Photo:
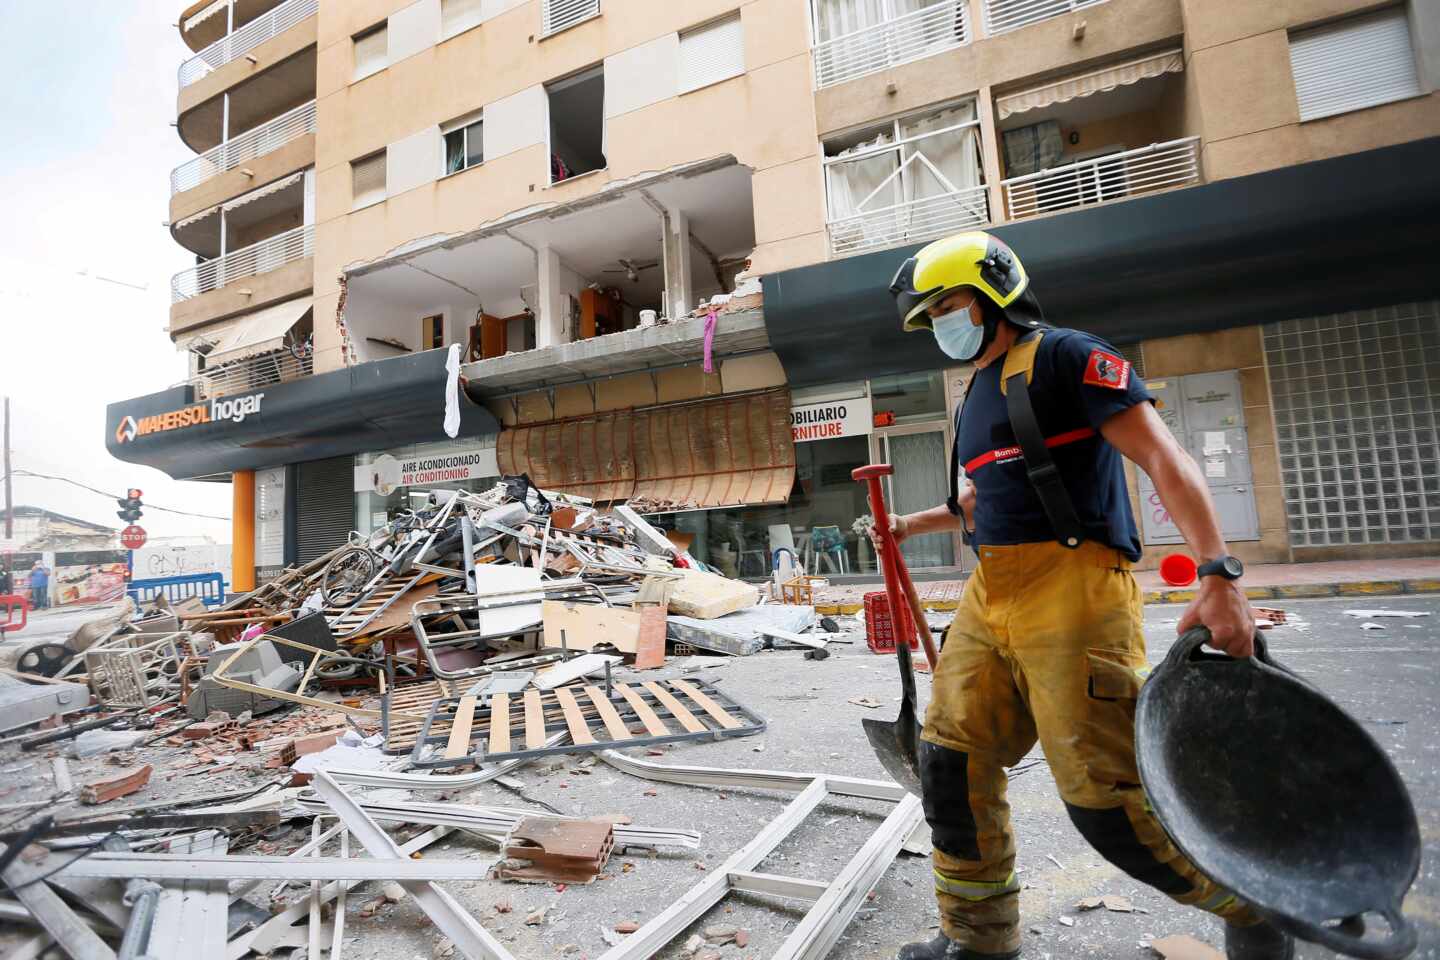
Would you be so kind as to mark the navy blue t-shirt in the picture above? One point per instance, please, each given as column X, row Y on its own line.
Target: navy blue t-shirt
column 1080, row 381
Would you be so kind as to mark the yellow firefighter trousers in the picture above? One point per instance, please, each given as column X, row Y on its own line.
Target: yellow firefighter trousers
column 1047, row 642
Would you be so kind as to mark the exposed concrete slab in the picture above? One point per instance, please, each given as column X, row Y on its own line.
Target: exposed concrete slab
column 630, row 351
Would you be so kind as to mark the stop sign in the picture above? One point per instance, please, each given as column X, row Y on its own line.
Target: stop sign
column 132, row 537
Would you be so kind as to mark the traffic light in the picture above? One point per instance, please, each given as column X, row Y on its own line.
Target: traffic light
column 130, row 506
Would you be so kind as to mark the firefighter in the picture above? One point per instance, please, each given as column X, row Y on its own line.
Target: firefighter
column 1047, row 643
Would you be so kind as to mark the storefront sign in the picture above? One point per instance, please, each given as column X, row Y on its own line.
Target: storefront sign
column 386, row 473
column 234, row 409
column 836, row 418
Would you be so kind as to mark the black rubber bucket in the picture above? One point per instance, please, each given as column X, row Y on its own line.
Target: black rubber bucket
column 1277, row 794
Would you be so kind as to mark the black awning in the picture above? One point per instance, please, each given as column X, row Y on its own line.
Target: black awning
column 370, row 406
column 1334, row 235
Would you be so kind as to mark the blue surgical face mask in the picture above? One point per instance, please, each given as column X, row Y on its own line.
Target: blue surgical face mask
column 959, row 338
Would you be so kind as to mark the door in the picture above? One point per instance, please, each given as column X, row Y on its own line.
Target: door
column 920, row 456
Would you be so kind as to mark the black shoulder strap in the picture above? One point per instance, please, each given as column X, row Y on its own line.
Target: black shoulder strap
column 953, row 502
column 1039, row 465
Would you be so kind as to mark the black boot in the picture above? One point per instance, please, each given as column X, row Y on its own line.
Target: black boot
column 943, row 948
column 1259, row 942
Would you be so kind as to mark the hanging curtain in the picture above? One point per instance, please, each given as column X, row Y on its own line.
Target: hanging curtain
column 944, row 164
column 848, row 185
column 1033, row 148
column 835, row 18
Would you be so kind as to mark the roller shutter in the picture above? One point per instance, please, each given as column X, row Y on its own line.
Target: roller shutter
column 324, row 505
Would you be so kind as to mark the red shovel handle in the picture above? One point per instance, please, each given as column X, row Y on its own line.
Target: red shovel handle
column 873, row 471
column 899, row 591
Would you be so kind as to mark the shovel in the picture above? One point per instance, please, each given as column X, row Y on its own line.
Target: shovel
column 897, row 744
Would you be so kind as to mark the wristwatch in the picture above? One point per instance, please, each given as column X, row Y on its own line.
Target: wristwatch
column 1225, row 566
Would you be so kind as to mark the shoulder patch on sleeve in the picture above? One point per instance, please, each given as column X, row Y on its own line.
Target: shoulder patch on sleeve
column 1107, row 370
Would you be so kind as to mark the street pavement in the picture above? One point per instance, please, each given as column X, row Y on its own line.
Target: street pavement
column 1389, row 679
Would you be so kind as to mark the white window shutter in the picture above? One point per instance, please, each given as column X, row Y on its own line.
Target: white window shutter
column 712, row 53
column 557, row 15
column 459, row 15
column 368, row 179
column 372, row 49
column 1356, row 63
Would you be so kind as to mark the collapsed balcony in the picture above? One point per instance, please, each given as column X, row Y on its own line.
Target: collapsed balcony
column 628, row 258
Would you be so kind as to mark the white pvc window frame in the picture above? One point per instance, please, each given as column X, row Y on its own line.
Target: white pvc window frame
column 471, row 129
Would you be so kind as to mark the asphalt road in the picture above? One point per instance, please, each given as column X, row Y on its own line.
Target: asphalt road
column 1389, row 679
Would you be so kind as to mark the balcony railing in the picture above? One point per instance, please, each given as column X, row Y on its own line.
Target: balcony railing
column 910, row 222
column 258, row 258
column 1003, row 15
column 557, row 15
column 251, row 373
column 923, row 33
column 247, row 38
column 266, row 138
column 1103, row 179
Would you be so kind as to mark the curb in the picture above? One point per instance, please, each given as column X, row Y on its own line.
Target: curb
column 1295, row 591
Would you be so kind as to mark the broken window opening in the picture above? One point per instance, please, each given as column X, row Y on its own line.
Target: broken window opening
column 577, row 124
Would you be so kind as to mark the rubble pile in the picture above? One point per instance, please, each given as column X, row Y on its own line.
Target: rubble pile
column 471, row 635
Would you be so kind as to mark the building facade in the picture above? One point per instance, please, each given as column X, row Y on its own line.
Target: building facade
column 638, row 249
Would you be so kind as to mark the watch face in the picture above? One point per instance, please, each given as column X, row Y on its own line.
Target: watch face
column 1234, row 569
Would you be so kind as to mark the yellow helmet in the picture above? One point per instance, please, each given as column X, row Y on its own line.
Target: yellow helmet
column 974, row 259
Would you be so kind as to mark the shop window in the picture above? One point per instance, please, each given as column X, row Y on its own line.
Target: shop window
column 577, row 124
column 464, row 143
column 432, row 332
column 372, row 50
column 908, row 397
column 367, row 180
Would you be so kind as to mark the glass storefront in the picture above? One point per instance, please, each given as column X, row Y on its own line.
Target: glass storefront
column 385, row 480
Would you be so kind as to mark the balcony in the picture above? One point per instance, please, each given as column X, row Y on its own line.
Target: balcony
column 252, row 373
column 258, row 258
column 1116, row 176
column 905, row 181
column 1002, row 16
column 557, row 15
column 264, row 139
column 914, row 36
column 235, row 45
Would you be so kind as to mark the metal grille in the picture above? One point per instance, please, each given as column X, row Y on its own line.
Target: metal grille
column 245, row 39
column 266, row 138
column 1003, row 15
column 1115, row 176
column 324, row 506
column 557, row 15
column 251, row 373
column 930, row 30
column 1356, row 398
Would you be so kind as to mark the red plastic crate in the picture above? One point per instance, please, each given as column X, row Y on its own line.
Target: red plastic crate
column 880, row 628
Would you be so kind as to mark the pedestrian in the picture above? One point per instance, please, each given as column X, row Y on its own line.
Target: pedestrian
column 7, row 585
column 39, row 586
column 1047, row 643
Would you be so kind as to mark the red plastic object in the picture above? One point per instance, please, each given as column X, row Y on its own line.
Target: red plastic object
column 9, row 603
column 1177, row 569
column 880, row 628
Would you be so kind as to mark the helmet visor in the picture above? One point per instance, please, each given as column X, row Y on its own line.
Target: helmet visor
column 909, row 302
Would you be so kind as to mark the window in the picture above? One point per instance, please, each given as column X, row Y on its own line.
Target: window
column 577, row 124
column 432, row 332
column 906, row 180
column 557, row 15
column 367, row 180
column 372, row 49
column 711, row 53
column 464, row 143
column 1356, row 63
column 457, row 16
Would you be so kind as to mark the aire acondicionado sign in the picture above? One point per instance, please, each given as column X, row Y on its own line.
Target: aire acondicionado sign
column 831, row 419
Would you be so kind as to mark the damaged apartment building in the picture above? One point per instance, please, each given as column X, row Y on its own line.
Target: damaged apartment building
column 639, row 250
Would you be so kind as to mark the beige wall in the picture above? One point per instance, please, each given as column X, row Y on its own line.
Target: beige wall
column 1239, row 349
column 1238, row 64
column 764, row 118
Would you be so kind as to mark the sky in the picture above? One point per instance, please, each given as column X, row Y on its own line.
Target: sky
column 87, row 103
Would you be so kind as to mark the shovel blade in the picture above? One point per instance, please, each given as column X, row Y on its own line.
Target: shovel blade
column 897, row 744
